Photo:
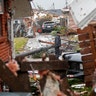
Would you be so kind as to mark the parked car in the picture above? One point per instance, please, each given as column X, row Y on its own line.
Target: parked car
column 48, row 26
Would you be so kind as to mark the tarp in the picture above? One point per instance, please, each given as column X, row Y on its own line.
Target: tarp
column 83, row 11
column 21, row 8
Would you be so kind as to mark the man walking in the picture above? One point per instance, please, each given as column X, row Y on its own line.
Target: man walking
column 57, row 45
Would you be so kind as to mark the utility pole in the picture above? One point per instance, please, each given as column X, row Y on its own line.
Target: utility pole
column 11, row 13
column 33, row 25
column 66, row 15
column 53, row 6
column 66, row 4
column 66, row 22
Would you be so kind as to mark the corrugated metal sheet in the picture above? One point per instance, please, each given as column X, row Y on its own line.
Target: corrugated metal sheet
column 83, row 11
column 22, row 8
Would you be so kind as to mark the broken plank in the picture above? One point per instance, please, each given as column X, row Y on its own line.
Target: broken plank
column 88, row 80
column 86, row 50
column 88, row 57
column 86, row 29
column 89, row 71
column 89, row 65
column 84, row 44
column 11, row 80
column 83, row 37
column 43, row 65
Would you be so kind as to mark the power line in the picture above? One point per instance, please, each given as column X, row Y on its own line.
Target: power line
column 66, row 4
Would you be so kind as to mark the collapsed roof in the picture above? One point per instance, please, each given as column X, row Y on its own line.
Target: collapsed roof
column 83, row 11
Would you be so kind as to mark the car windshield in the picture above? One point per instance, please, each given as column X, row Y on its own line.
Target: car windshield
column 49, row 22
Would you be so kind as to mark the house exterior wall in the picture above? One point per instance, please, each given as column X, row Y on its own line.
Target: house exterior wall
column 5, row 49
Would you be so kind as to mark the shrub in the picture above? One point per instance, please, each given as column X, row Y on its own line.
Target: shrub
column 60, row 29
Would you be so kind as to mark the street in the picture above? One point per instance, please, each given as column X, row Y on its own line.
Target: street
column 34, row 44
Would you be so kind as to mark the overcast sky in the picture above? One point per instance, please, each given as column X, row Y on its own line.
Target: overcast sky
column 48, row 4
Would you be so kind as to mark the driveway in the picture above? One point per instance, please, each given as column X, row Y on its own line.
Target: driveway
column 34, row 44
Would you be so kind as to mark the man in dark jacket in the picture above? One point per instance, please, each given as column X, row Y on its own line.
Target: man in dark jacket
column 57, row 45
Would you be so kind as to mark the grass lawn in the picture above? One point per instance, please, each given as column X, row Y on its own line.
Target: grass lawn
column 19, row 43
column 77, row 81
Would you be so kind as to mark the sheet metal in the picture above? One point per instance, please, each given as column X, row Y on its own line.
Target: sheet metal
column 83, row 11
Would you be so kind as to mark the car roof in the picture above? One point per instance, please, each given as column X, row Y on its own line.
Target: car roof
column 49, row 22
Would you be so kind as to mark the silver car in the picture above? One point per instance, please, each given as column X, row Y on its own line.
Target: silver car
column 48, row 26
